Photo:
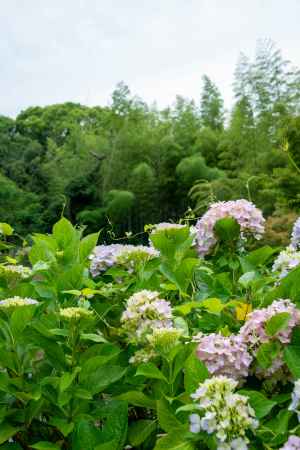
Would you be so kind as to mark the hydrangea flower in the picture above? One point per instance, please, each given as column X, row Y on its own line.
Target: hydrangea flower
column 253, row 332
column 224, row 355
column 163, row 226
column 223, row 412
column 293, row 443
column 17, row 271
column 144, row 313
column 245, row 213
column 286, row 261
column 294, row 406
column 163, row 340
column 106, row 256
column 75, row 313
column 17, row 302
column 295, row 238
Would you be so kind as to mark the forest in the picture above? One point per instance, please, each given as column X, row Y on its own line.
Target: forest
column 149, row 270
column 122, row 166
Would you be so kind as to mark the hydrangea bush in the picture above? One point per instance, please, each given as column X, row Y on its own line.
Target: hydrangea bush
column 191, row 342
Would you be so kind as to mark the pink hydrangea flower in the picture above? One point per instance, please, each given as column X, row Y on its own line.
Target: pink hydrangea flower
column 253, row 332
column 293, row 443
column 224, row 355
column 245, row 213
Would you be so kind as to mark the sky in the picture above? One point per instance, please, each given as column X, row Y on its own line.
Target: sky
column 52, row 51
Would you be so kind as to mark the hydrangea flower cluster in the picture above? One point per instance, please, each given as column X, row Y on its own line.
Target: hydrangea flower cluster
column 75, row 313
column 165, row 226
column 286, row 261
column 17, row 302
column 17, row 271
column 106, row 256
column 144, row 313
column 223, row 412
column 295, row 405
column 245, row 213
column 132, row 255
column 163, row 340
column 103, row 257
column 293, row 443
column 295, row 238
column 253, row 332
column 224, row 355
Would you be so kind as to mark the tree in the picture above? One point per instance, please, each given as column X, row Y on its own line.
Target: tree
column 211, row 105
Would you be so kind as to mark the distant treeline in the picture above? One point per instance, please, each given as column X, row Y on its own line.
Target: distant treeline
column 125, row 165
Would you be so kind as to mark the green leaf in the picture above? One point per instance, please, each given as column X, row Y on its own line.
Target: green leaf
column 266, row 353
column 20, row 318
column 87, row 245
column 114, row 415
column 62, row 425
column 101, row 378
column 246, row 279
column 173, row 442
column 85, row 436
column 149, row 370
column 277, row 323
column 186, row 308
column 67, row 379
column 195, row 372
column 137, row 398
column 167, row 420
column 7, row 431
column 227, row 229
column 92, row 337
column 45, row 445
column 64, row 232
column 292, row 359
column 261, row 404
column 6, row 229
column 139, row 431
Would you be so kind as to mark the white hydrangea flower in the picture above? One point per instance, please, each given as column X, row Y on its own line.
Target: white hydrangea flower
column 223, row 412
column 145, row 312
column 295, row 404
column 75, row 313
column 17, row 302
column 16, row 270
column 106, row 256
column 286, row 261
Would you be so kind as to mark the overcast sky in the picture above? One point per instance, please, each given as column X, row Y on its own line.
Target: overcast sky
column 53, row 51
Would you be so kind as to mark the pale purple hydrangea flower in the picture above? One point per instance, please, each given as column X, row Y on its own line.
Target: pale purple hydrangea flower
column 245, row 213
column 106, row 256
column 293, row 443
column 224, row 355
column 295, row 239
column 145, row 312
column 253, row 332
column 286, row 261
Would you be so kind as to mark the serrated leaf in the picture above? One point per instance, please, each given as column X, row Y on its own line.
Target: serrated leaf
column 261, row 404
column 139, row 431
column 149, row 370
column 277, row 323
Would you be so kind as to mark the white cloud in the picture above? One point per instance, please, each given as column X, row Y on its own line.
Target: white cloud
column 77, row 50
